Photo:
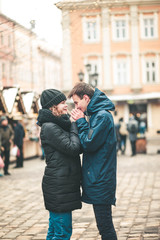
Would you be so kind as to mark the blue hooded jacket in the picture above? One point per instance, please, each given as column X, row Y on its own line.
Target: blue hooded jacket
column 98, row 139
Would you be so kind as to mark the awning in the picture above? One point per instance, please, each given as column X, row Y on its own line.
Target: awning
column 13, row 100
column 9, row 95
column 3, row 107
column 30, row 100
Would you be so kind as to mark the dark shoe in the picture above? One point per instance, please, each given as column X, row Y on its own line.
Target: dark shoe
column 7, row 173
column 18, row 167
column 133, row 155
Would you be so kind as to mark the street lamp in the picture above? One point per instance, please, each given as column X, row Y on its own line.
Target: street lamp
column 88, row 67
column 81, row 76
column 93, row 78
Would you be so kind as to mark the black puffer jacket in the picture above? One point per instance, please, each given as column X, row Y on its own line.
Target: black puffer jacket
column 61, row 180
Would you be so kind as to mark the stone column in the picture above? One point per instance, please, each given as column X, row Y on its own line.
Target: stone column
column 106, row 50
column 149, row 115
column 66, row 56
column 135, row 49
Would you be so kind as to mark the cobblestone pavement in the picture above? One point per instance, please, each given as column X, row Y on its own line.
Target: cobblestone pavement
column 136, row 216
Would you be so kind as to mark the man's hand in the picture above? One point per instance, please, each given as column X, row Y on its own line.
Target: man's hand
column 76, row 114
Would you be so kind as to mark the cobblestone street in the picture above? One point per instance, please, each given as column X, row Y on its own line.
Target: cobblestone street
column 136, row 215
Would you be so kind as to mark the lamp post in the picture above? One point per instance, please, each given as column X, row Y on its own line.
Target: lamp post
column 93, row 78
column 81, row 76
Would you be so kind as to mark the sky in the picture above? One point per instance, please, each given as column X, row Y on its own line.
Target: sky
column 44, row 12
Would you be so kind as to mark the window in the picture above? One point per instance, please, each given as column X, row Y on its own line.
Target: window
column 91, row 29
column 9, row 41
column 10, row 71
column 3, row 70
column 120, row 28
column 150, row 71
column 121, row 71
column 2, row 39
column 149, row 26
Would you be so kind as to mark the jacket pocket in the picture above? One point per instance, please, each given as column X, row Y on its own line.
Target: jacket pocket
column 92, row 177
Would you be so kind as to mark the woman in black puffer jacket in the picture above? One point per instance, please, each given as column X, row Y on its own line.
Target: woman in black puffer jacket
column 61, row 180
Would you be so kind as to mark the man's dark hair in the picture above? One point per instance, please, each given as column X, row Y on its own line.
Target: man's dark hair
column 80, row 89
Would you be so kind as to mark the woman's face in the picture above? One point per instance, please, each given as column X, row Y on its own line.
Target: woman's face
column 60, row 109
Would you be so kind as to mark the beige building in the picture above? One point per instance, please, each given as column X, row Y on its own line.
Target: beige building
column 115, row 45
column 25, row 60
column 7, row 54
column 36, row 65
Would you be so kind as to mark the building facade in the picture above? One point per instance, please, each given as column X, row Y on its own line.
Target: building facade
column 120, row 42
column 25, row 60
column 7, row 53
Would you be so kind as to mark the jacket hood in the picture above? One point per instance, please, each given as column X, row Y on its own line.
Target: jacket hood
column 99, row 101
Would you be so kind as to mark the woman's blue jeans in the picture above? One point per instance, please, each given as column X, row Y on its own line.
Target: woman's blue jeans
column 60, row 226
column 103, row 215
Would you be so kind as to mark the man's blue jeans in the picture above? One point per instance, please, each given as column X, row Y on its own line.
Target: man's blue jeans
column 103, row 215
column 60, row 226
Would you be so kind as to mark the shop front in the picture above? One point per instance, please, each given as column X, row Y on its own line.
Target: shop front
column 22, row 106
column 146, row 109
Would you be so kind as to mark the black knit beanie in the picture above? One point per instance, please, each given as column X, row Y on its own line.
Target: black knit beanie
column 50, row 97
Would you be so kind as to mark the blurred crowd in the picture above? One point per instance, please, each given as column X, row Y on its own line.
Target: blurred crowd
column 135, row 129
column 10, row 136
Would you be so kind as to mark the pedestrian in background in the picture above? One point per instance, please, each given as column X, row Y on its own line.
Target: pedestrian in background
column 142, row 127
column 98, row 139
column 19, row 135
column 132, row 128
column 123, row 135
column 61, row 180
column 118, row 145
column 6, row 137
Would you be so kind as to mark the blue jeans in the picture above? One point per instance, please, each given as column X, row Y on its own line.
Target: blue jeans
column 103, row 215
column 60, row 226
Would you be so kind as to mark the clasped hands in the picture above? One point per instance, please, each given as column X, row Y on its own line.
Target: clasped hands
column 76, row 114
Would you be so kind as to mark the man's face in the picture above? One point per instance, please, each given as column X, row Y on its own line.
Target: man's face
column 81, row 104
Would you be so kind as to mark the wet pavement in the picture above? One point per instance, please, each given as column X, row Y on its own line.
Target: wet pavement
column 136, row 215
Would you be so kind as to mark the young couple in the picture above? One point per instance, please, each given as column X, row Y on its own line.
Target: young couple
column 89, row 130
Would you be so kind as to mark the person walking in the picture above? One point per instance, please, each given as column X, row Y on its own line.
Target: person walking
column 118, row 145
column 123, row 135
column 132, row 128
column 19, row 134
column 6, row 137
column 98, row 139
column 62, row 176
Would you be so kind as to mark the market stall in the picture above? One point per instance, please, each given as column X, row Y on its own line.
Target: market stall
column 31, row 142
column 22, row 106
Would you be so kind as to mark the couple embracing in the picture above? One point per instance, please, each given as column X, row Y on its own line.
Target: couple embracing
column 88, row 130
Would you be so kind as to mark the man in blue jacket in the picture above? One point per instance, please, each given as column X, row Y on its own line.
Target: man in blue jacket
column 98, row 139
